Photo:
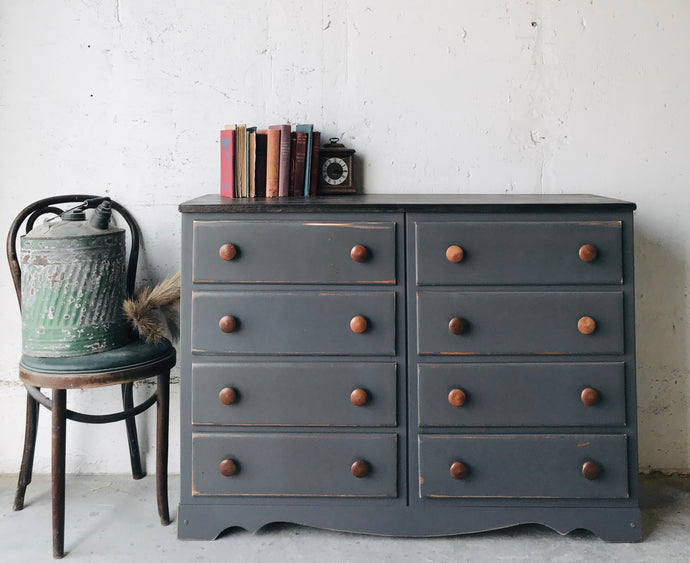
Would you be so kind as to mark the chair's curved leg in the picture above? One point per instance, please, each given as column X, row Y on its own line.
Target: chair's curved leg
column 32, row 408
column 162, row 422
column 59, row 423
column 132, row 438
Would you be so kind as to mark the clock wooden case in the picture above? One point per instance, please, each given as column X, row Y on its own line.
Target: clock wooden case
column 336, row 165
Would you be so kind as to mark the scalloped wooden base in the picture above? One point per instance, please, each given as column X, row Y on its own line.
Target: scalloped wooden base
column 207, row 522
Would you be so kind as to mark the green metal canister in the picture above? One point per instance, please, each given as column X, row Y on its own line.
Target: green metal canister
column 73, row 285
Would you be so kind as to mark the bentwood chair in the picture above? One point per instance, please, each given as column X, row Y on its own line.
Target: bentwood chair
column 134, row 361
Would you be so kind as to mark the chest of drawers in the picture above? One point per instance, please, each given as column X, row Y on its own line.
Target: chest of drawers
column 408, row 365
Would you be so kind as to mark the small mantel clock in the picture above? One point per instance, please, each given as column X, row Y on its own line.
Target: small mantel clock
column 336, row 168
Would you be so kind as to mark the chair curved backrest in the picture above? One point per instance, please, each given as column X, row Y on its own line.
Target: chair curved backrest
column 32, row 212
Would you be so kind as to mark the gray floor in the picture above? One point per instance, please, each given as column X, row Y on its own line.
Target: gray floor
column 113, row 518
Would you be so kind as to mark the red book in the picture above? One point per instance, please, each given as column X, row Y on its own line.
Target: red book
column 315, row 149
column 227, row 162
column 284, row 171
column 300, row 161
column 272, row 162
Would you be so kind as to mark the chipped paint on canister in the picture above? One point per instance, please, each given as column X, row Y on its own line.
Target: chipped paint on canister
column 73, row 287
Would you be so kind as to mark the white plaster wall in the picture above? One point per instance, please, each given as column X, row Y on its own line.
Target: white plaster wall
column 535, row 96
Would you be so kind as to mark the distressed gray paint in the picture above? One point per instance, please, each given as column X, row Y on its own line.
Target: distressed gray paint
column 295, row 465
column 608, row 508
column 293, row 323
column 503, row 323
column 294, row 394
column 275, row 252
column 520, row 466
column 522, row 394
column 518, row 252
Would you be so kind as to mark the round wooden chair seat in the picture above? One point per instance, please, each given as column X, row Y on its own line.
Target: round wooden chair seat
column 133, row 361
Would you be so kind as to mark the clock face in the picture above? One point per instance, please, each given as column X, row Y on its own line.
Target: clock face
column 334, row 171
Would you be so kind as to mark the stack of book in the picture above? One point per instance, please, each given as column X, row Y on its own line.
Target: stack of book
column 271, row 162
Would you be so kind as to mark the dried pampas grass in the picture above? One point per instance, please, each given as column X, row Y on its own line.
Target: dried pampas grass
column 145, row 309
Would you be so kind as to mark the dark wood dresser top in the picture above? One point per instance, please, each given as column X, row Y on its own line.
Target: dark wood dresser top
column 213, row 203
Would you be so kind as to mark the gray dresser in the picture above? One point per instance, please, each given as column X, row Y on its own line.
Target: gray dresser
column 412, row 365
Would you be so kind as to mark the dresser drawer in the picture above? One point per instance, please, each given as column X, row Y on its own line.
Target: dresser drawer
column 294, row 252
column 524, row 466
column 294, row 394
column 519, row 322
column 522, row 394
column 539, row 252
column 295, row 465
column 293, row 323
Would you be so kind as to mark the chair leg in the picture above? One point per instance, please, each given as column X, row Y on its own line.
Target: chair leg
column 132, row 439
column 162, row 423
column 59, row 423
column 32, row 408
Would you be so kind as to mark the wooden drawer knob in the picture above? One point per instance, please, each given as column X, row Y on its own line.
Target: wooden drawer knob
column 227, row 395
column 455, row 254
column 458, row 470
column 586, row 325
column 227, row 324
column 227, row 467
column 360, row 468
column 588, row 253
column 359, row 397
column 457, row 397
column 591, row 470
column 227, row 251
column 589, row 396
column 358, row 324
column 359, row 253
column 457, row 325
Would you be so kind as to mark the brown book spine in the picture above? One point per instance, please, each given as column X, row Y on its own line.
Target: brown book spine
column 272, row 162
column 285, row 155
column 240, row 160
column 300, row 161
column 314, row 172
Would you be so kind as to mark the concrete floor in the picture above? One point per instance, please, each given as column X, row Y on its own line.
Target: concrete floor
column 113, row 518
